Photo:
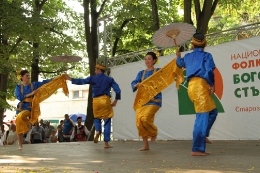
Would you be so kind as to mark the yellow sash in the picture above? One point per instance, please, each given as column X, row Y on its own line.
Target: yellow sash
column 44, row 92
column 102, row 108
column 198, row 91
column 157, row 82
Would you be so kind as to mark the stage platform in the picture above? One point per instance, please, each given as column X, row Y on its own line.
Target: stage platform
column 163, row 157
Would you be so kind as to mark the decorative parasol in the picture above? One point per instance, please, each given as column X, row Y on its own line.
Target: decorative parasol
column 173, row 35
column 65, row 59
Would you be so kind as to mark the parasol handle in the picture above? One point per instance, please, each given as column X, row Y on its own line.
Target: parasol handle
column 176, row 46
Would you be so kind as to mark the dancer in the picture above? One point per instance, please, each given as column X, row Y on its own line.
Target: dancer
column 102, row 107
column 145, row 114
column 30, row 95
column 200, row 77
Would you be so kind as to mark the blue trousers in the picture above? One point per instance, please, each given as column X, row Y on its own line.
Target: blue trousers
column 107, row 128
column 202, row 126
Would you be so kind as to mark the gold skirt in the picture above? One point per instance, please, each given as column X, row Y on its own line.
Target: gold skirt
column 102, row 108
column 144, row 120
column 22, row 121
column 198, row 91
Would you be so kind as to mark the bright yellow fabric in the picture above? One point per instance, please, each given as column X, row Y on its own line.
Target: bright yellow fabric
column 44, row 92
column 156, row 83
column 144, row 120
column 198, row 91
column 22, row 121
column 102, row 108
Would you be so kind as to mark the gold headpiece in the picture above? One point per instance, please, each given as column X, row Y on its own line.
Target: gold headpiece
column 200, row 41
column 18, row 74
column 101, row 67
column 157, row 53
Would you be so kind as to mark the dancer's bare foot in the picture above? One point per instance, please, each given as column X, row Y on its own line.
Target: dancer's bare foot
column 153, row 138
column 20, row 148
column 197, row 153
column 144, row 149
column 96, row 138
column 108, row 146
column 208, row 141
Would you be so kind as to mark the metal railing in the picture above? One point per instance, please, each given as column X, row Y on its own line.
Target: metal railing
column 238, row 33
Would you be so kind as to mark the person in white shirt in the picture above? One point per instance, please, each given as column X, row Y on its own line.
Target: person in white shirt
column 10, row 136
column 27, row 136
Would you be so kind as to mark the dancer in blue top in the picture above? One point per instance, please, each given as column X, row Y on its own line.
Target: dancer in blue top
column 200, row 77
column 145, row 114
column 102, row 106
column 24, row 92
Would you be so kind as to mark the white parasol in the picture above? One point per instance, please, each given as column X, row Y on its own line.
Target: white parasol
column 173, row 35
column 65, row 59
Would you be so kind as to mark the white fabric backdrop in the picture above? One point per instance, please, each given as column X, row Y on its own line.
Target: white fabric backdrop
column 172, row 126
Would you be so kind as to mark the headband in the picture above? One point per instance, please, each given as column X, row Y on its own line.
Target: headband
column 101, row 67
column 198, row 42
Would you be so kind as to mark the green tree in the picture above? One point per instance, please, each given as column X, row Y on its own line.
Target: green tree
column 31, row 32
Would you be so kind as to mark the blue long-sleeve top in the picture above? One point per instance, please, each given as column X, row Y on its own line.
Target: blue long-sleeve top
column 198, row 64
column 101, row 85
column 20, row 95
column 138, row 79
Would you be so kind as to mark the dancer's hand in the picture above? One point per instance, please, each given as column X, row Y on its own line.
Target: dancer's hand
column 114, row 103
column 178, row 54
column 137, row 85
column 212, row 90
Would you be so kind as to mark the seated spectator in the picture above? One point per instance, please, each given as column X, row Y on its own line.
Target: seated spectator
column 59, row 128
column 10, row 136
column 80, row 132
column 48, row 130
column 27, row 136
column 2, row 132
column 53, row 137
column 38, row 134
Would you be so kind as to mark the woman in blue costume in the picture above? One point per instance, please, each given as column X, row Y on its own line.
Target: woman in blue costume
column 200, row 77
column 24, row 93
column 102, row 106
column 145, row 114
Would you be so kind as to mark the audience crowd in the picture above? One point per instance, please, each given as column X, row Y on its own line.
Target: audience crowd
column 43, row 132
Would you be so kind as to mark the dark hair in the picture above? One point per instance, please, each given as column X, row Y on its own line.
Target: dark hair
column 23, row 72
column 79, row 118
column 153, row 55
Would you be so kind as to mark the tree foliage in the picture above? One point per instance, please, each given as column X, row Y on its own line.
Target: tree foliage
column 32, row 32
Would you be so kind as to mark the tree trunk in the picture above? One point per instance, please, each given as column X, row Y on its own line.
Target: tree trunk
column 203, row 16
column 187, row 11
column 35, row 63
column 92, row 49
column 156, row 24
column 3, row 89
